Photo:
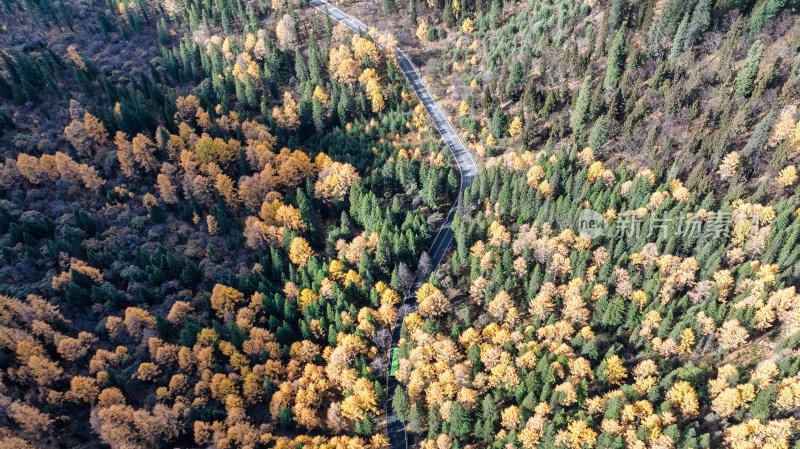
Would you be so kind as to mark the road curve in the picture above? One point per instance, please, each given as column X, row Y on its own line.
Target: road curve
column 396, row 430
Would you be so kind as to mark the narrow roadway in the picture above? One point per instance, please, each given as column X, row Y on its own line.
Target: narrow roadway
column 396, row 430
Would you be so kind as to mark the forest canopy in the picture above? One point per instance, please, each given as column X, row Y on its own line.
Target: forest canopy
column 213, row 214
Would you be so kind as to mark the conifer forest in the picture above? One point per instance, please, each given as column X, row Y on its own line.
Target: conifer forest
column 395, row 224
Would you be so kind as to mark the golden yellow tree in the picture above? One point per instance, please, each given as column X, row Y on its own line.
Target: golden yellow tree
column 463, row 108
column 72, row 349
column 687, row 341
column 30, row 419
column 288, row 117
column 292, row 167
column 422, row 30
column 510, row 417
column 286, row 31
column 124, row 154
column 515, row 128
column 227, row 189
column 334, row 182
column 364, row 47
column 787, row 176
column 144, row 152
column 683, row 395
column 578, row 435
column 732, row 334
column 84, row 389
column 467, row 26
column 320, row 95
column 165, row 185
column 342, row 65
column 615, row 371
column 224, row 299
column 362, row 401
column 178, row 311
column 595, row 171
column 729, row 165
column 300, row 251
column 432, row 302
column 369, row 78
column 88, row 136
column 148, row 371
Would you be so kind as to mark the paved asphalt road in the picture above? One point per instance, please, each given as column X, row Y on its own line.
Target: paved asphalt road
column 395, row 429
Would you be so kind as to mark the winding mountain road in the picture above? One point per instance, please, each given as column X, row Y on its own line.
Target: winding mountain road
column 396, row 430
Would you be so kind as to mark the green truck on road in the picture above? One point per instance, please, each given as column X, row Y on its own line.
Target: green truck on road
column 395, row 362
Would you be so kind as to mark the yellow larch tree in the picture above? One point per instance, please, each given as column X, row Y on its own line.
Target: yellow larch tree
column 463, row 108
column 498, row 234
column 72, row 349
column 144, row 152
column 595, row 171
column 362, row 401
column 292, row 167
column 320, row 95
column 369, row 78
column 307, row 296
column 364, row 47
column 342, row 65
column 165, row 184
column 288, row 117
column 545, row 189
column 515, row 128
column 124, row 154
column 148, row 371
column 432, row 302
column 787, row 176
column 227, row 189
column 422, row 30
column 687, row 341
column 286, row 31
column 88, row 136
column 684, row 396
column 334, row 182
column 51, row 168
column 467, row 26
column 615, row 371
column 727, row 402
column 729, row 165
column 84, row 389
column 300, row 251
column 578, row 435
column 510, row 417
column 224, row 299
column 732, row 334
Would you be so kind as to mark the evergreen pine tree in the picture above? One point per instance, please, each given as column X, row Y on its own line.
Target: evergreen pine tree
column 415, row 423
column 494, row 14
column 599, row 133
column 701, row 18
column 616, row 60
column 514, row 81
column 760, row 136
column 743, row 84
column 401, row 404
column 318, row 115
column 678, row 42
column 580, row 114
column 434, row 422
column 459, row 420
column 490, row 419
column 499, row 123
